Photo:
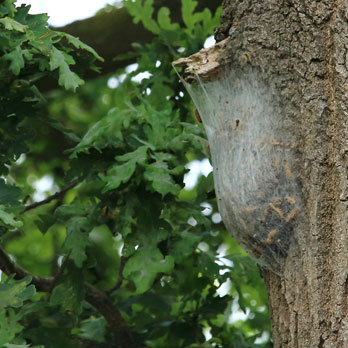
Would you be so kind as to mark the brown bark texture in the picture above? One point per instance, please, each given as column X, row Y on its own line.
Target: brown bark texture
column 300, row 48
column 299, row 51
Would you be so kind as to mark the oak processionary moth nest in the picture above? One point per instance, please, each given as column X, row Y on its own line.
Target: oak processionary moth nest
column 253, row 151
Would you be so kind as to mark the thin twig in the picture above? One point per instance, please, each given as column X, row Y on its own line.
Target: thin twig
column 26, row 198
column 49, row 199
column 123, row 262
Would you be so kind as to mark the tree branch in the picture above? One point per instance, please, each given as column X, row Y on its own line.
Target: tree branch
column 95, row 297
column 123, row 262
column 49, row 199
column 9, row 267
column 101, row 301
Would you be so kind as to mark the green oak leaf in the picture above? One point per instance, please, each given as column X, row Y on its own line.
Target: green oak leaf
column 9, row 218
column 66, row 211
column 143, row 267
column 69, row 293
column 61, row 60
column 137, row 156
column 7, row 7
column 11, row 24
column 9, row 326
column 209, row 266
column 142, row 11
column 16, row 59
column 127, row 220
column 45, row 222
column 93, row 329
column 9, row 194
column 77, row 240
column 52, row 337
column 164, row 21
column 185, row 246
column 30, row 308
column 67, row 132
column 188, row 16
column 75, row 41
column 161, row 181
column 14, row 293
column 158, row 129
column 121, row 173
column 106, row 131
column 37, row 24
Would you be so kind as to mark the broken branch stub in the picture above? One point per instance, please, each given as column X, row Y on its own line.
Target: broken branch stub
column 202, row 65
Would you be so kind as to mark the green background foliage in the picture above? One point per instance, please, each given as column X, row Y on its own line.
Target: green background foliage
column 123, row 221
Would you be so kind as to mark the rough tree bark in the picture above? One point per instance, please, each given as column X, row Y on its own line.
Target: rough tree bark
column 299, row 49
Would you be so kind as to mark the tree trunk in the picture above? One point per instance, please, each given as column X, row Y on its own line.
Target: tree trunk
column 286, row 60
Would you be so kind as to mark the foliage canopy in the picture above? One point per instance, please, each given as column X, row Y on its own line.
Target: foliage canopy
column 116, row 251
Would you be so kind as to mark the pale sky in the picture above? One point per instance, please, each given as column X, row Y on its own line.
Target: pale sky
column 65, row 11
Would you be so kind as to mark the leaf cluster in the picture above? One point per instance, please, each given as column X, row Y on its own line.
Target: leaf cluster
column 121, row 220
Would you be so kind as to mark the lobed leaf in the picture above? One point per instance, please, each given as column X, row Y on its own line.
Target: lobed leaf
column 144, row 266
column 8, row 194
column 61, row 60
column 11, row 24
column 69, row 293
column 9, row 218
column 77, row 43
column 77, row 240
column 14, row 293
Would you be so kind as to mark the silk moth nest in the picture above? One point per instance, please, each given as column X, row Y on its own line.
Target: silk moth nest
column 254, row 155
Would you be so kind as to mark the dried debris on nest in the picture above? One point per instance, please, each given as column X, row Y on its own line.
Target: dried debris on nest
column 202, row 65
